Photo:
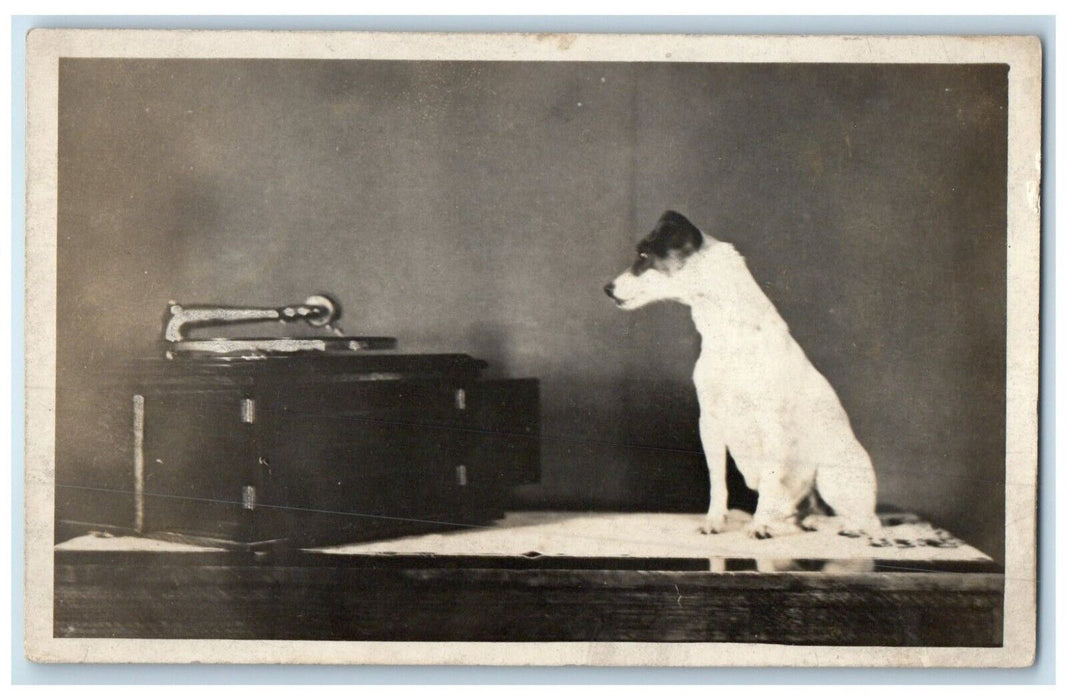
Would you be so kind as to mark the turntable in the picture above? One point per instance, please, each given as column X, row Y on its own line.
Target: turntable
column 307, row 440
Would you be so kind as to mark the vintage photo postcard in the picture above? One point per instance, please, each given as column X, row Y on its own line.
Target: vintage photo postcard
column 532, row 349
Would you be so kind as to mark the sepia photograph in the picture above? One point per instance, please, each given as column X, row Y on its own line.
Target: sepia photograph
column 532, row 349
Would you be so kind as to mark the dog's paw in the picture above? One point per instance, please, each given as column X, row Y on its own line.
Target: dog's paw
column 759, row 532
column 713, row 525
column 854, row 529
column 857, row 533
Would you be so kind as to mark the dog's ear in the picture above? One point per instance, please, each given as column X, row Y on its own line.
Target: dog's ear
column 677, row 232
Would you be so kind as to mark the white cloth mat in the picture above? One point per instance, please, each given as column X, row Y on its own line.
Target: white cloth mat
column 621, row 535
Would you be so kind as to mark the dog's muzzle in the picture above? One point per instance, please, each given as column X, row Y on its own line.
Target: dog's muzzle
column 609, row 289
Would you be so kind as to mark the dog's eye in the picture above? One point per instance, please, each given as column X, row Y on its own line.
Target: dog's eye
column 643, row 262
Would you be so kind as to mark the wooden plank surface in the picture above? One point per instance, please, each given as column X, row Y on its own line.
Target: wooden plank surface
column 302, row 595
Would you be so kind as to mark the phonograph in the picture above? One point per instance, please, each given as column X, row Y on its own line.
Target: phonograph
column 318, row 311
column 317, row 439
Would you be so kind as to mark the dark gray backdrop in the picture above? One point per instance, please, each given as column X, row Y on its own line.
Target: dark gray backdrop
column 479, row 207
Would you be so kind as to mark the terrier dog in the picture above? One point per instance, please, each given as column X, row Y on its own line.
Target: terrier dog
column 760, row 396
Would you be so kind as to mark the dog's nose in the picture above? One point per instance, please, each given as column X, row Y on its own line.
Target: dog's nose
column 609, row 289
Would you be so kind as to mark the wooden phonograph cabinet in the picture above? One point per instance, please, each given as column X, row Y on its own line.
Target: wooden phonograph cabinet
column 307, row 441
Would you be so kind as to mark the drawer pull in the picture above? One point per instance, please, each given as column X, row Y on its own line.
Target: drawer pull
column 248, row 498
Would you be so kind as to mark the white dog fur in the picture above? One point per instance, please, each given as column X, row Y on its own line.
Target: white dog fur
column 760, row 396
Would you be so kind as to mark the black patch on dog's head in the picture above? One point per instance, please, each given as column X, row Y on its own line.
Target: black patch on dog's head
column 673, row 236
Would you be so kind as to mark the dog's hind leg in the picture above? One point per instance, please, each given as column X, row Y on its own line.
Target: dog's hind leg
column 847, row 484
column 776, row 511
column 714, row 443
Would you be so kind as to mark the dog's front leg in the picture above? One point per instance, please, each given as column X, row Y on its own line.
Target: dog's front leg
column 715, row 454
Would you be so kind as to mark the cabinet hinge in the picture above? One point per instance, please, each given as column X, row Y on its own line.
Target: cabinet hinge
column 248, row 411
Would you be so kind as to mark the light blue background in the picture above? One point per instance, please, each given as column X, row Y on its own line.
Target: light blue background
column 24, row 672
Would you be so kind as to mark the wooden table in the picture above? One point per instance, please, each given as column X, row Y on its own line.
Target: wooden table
column 545, row 577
